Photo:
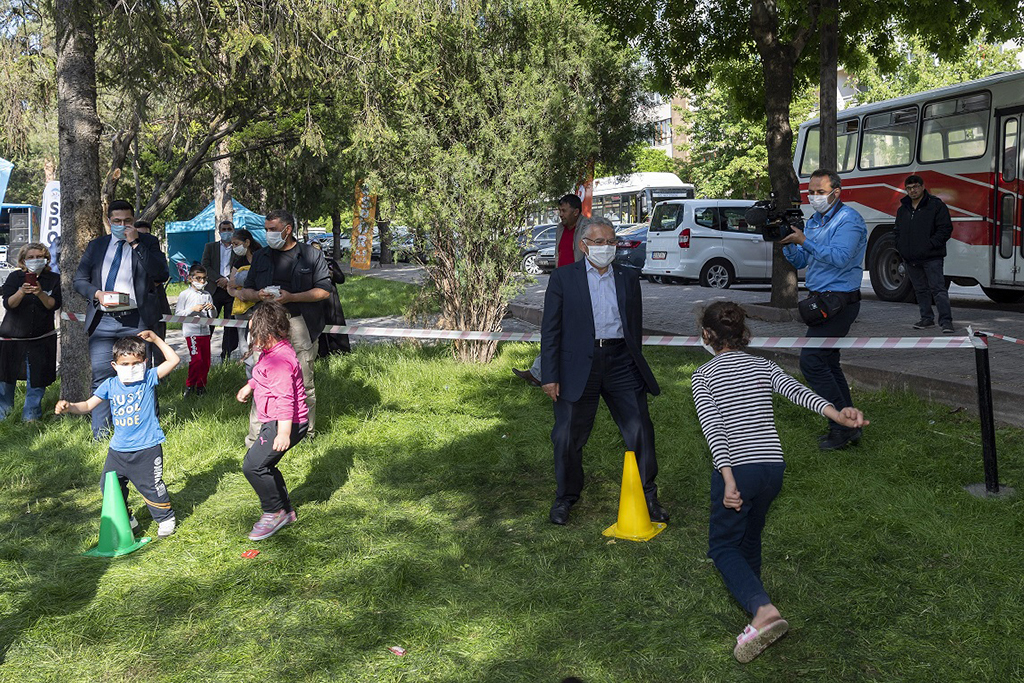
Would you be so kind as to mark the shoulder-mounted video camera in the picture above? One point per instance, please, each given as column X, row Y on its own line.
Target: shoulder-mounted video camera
column 775, row 224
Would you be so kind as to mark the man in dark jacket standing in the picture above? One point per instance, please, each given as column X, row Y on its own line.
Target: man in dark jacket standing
column 923, row 227
column 590, row 345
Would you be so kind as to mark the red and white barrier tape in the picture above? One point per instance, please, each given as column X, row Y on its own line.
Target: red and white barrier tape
column 967, row 342
column 1004, row 337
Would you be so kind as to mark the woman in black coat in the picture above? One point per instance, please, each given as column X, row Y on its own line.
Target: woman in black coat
column 28, row 351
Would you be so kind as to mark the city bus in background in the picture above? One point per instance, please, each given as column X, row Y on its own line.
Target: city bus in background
column 626, row 199
column 965, row 142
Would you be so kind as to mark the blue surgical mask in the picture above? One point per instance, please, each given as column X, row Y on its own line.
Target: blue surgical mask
column 117, row 231
column 225, row 236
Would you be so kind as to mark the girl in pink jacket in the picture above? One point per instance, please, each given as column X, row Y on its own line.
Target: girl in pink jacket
column 280, row 398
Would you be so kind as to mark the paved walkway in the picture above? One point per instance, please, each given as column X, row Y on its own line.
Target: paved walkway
column 946, row 376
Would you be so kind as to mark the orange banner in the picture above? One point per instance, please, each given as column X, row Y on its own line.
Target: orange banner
column 585, row 189
column 363, row 219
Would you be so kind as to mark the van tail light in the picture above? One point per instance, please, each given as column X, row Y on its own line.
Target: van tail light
column 628, row 244
column 684, row 239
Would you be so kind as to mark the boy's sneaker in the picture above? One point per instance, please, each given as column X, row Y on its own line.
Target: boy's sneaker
column 924, row 324
column 132, row 522
column 292, row 517
column 269, row 524
column 165, row 528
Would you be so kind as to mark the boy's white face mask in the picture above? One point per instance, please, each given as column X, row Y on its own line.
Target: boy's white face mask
column 131, row 373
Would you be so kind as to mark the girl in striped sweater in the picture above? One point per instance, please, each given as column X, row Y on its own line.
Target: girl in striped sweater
column 733, row 395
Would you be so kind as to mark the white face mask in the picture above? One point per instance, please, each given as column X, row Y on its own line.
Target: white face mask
column 198, row 286
column 225, row 236
column 239, row 249
column 274, row 240
column 601, row 257
column 131, row 373
column 819, row 202
column 35, row 265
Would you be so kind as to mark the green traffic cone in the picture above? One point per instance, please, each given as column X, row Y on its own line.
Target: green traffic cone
column 116, row 537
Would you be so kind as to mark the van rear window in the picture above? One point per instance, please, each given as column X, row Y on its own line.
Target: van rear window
column 666, row 217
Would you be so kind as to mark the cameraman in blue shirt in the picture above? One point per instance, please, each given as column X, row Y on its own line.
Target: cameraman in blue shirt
column 831, row 247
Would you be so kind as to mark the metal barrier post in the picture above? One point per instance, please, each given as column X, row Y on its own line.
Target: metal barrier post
column 988, row 426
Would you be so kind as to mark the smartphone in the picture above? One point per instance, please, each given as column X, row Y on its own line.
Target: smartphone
column 31, row 279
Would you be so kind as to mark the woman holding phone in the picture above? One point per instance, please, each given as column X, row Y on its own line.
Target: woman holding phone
column 28, row 338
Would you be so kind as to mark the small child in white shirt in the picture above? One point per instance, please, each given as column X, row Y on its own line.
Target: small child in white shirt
column 192, row 302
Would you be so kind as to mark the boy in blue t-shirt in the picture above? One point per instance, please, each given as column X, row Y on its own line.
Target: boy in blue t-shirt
column 135, row 452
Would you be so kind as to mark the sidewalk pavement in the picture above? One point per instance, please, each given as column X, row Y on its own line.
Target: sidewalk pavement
column 945, row 376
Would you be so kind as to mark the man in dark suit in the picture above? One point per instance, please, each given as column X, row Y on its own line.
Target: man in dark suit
column 217, row 258
column 591, row 347
column 124, row 262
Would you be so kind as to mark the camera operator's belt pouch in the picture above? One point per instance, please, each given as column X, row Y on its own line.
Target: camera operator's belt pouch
column 819, row 307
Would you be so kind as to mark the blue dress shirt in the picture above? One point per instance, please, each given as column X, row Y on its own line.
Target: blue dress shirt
column 833, row 252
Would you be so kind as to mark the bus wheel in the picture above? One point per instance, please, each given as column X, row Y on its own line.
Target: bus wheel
column 1003, row 296
column 889, row 276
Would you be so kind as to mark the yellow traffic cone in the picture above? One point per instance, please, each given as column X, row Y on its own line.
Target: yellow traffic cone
column 116, row 537
column 634, row 520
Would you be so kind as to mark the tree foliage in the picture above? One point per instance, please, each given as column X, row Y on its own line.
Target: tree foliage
column 688, row 40
column 499, row 104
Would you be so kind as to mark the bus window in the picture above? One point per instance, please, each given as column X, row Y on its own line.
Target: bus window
column 955, row 128
column 1006, row 227
column 812, row 145
column 846, row 148
column 889, row 138
column 1010, row 131
column 666, row 217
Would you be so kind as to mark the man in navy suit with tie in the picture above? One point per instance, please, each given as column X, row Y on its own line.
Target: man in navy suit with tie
column 126, row 262
column 591, row 347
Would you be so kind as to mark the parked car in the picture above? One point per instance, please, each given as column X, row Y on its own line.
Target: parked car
column 408, row 248
column 326, row 241
column 631, row 248
column 708, row 241
column 546, row 259
column 531, row 241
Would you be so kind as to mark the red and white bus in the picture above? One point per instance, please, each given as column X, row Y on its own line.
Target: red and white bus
column 965, row 141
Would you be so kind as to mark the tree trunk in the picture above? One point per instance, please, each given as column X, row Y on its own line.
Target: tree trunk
column 778, row 60
column 778, row 94
column 336, row 231
column 223, row 209
column 827, row 95
column 78, row 129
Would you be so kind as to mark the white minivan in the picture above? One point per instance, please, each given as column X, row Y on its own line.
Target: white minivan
column 707, row 240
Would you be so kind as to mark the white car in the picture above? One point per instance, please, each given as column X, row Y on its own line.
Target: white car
column 708, row 241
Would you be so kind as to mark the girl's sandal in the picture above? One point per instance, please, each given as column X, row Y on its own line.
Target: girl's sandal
column 753, row 642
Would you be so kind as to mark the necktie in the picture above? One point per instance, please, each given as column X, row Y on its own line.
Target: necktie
column 115, row 266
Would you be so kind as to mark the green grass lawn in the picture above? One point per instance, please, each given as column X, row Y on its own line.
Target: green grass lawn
column 423, row 524
column 361, row 296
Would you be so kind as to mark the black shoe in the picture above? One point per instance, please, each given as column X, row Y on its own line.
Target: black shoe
column 527, row 376
column 840, row 438
column 200, row 391
column 188, row 392
column 948, row 329
column 658, row 513
column 923, row 324
column 559, row 513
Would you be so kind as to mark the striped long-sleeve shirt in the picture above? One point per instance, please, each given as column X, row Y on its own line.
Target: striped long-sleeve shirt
column 733, row 395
